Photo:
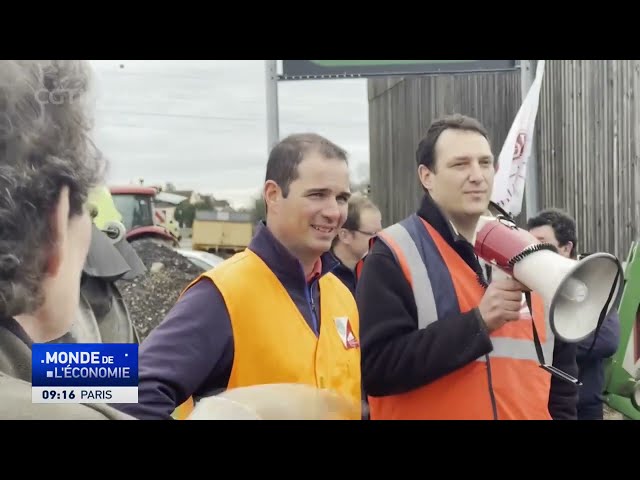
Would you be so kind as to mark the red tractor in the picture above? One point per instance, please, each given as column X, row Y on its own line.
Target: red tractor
column 136, row 205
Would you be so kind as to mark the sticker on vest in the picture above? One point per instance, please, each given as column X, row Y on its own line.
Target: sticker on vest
column 343, row 326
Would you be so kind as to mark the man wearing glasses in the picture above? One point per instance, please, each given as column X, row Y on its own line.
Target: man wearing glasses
column 364, row 221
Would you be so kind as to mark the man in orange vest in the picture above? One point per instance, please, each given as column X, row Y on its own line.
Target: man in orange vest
column 273, row 313
column 438, row 342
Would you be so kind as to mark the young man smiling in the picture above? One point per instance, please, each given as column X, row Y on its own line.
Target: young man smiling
column 273, row 313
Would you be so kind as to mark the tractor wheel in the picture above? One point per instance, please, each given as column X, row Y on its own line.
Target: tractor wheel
column 102, row 316
column 85, row 328
column 111, row 313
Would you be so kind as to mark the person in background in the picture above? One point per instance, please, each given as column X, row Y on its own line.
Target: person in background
column 47, row 167
column 364, row 221
column 273, row 313
column 438, row 342
column 558, row 228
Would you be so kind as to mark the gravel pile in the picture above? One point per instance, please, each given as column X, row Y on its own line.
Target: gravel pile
column 150, row 296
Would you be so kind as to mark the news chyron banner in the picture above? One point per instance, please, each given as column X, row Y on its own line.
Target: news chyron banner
column 84, row 373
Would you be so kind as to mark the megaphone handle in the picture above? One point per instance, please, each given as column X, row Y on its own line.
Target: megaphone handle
column 556, row 372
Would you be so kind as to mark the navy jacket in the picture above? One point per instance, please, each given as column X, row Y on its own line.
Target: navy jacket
column 591, row 366
column 191, row 351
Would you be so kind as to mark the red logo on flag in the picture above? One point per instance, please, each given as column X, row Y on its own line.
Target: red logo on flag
column 518, row 150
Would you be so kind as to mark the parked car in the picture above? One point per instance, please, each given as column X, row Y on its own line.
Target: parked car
column 204, row 260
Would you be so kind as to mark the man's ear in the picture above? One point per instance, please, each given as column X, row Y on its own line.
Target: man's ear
column 567, row 248
column 271, row 193
column 344, row 236
column 59, row 231
column 426, row 177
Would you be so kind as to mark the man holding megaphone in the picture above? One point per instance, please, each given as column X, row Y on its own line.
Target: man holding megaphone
column 437, row 341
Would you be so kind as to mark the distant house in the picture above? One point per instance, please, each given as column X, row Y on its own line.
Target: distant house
column 221, row 205
column 194, row 197
column 170, row 198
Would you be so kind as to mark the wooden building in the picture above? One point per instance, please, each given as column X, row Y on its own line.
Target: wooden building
column 587, row 137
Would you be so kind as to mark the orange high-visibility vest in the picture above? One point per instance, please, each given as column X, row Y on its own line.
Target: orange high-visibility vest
column 506, row 384
column 273, row 342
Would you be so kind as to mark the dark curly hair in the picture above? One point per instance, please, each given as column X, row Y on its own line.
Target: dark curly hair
column 44, row 146
column 563, row 225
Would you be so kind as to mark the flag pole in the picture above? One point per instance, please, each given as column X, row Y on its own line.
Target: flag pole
column 527, row 75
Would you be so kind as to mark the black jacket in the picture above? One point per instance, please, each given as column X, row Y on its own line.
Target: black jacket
column 398, row 357
column 345, row 274
column 590, row 358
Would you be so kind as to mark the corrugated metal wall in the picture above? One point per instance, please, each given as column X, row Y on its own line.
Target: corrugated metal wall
column 400, row 111
column 587, row 139
column 587, row 145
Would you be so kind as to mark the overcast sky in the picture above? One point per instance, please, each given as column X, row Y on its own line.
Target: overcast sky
column 202, row 124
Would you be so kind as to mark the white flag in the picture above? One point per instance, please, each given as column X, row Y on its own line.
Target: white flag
column 508, row 186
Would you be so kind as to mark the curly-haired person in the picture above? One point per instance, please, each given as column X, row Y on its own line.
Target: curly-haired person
column 48, row 164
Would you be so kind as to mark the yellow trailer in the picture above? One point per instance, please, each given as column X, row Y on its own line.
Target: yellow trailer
column 221, row 232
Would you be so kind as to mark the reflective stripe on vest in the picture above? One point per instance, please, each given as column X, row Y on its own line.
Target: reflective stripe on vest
column 401, row 242
column 518, row 349
column 415, row 272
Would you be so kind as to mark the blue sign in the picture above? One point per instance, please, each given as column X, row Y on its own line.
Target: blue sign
column 85, row 365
